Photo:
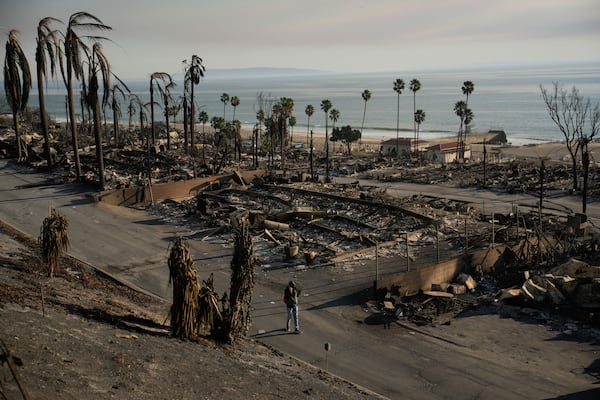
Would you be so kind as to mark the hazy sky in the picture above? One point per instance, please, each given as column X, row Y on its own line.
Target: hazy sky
column 337, row 35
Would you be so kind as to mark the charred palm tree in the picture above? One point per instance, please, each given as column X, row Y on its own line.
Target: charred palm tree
column 209, row 314
column 54, row 240
column 98, row 65
column 17, row 82
column 186, row 288
column 116, row 108
column 47, row 54
column 243, row 264
column 165, row 94
column 155, row 81
column 76, row 54
column 131, row 110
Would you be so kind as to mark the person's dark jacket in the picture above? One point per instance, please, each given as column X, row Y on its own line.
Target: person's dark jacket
column 291, row 298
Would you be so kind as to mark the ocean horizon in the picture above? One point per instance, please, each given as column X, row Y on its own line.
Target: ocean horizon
column 505, row 98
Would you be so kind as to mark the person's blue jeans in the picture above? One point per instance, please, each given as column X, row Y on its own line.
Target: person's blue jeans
column 292, row 313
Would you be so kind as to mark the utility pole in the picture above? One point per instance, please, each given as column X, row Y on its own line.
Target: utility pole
column 466, row 237
column 407, row 258
column 437, row 242
column 376, row 261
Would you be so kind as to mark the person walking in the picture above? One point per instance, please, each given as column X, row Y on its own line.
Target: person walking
column 290, row 298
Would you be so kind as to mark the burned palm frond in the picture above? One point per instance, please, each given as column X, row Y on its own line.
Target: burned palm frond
column 186, row 287
column 238, row 319
column 54, row 240
column 209, row 315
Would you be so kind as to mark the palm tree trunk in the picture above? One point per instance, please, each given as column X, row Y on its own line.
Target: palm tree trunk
column 152, row 112
column 326, row 150
column 167, row 122
column 43, row 116
column 192, row 112
column 282, row 125
column 398, row 127
column 203, row 143
column 362, row 125
column 97, row 134
column 312, row 173
column 74, row 136
column 185, row 126
column 307, row 130
column 17, row 133
column 415, row 122
column 115, row 122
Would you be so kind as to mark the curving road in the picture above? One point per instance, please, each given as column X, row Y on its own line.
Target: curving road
column 401, row 362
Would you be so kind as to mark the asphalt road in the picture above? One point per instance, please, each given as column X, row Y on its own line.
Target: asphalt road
column 400, row 362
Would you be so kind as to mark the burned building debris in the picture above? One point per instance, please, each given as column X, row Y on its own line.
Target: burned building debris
column 455, row 254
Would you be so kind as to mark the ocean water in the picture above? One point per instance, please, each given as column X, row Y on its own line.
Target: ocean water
column 504, row 98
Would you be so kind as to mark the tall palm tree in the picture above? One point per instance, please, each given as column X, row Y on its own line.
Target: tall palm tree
column 203, row 119
column 366, row 96
column 74, row 47
column 467, row 88
column 194, row 72
column 326, row 106
column 292, row 121
column 309, row 111
column 419, row 119
column 235, row 101
column 414, row 87
column 287, row 107
column 334, row 116
column 260, row 116
column 159, row 80
column 466, row 116
column 398, row 88
column 98, row 64
column 224, row 100
column 47, row 54
column 17, row 82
